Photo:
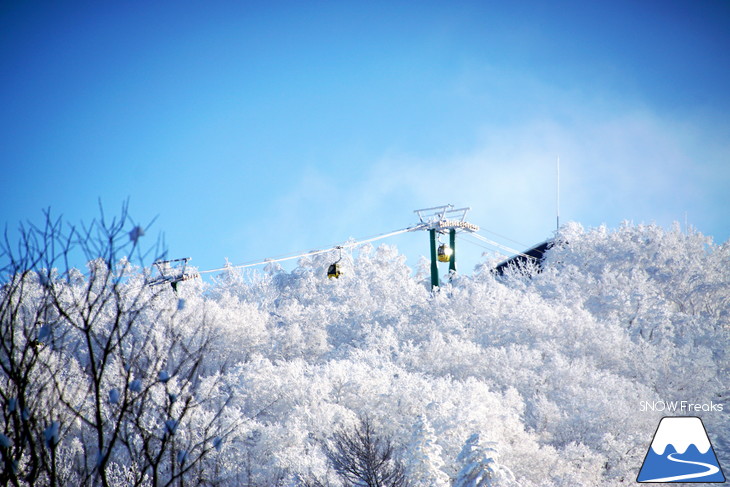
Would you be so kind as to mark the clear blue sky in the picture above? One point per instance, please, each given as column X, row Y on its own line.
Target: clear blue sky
column 254, row 129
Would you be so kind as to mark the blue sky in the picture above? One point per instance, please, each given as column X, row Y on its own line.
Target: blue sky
column 255, row 129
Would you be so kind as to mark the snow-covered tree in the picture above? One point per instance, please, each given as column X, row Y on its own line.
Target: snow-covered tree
column 425, row 465
column 242, row 381
column 362, row 458
column 102, row 361
column 480, row 466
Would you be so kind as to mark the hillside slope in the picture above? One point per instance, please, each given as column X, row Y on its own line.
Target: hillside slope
column 553, row 368
column 554, row 371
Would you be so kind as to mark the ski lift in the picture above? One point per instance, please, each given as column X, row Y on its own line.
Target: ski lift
column 444, row 253
column 172, row 272
column 334, row 270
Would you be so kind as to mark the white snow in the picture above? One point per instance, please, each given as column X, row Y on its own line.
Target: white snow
column 547, row 370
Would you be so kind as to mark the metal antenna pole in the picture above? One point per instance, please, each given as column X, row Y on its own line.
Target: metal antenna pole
column 557, row 197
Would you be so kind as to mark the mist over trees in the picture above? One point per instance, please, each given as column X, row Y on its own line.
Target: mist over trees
column 289, row 378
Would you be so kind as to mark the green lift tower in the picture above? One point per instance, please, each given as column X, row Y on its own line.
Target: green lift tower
column 440, row 220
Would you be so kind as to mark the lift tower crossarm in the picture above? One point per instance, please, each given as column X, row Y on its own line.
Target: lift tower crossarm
column 446, row 217
column 436, row 213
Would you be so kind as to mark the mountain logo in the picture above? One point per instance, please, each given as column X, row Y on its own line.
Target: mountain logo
column 680, row 452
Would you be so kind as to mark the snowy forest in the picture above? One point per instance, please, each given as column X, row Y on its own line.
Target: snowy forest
column 272, row 377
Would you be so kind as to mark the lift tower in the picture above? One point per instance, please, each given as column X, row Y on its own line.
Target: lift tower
column 439, row 220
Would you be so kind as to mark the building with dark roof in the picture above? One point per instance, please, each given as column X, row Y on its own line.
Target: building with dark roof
column 533, row 255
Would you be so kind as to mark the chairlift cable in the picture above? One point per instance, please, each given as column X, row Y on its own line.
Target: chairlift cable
column 348, row 245
column 267, row 261
column 464, row 238
column 356, row 244
column 513, row 250
column 500, row 246
column 503, row 247
column 317, row 252
column 503, row 237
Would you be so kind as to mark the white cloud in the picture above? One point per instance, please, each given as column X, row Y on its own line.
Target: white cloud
column 631, row 165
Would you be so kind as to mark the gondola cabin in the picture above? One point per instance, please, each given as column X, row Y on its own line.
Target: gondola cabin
column 444, row 253
column 334, row 271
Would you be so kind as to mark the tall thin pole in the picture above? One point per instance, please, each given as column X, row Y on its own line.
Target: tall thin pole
column 557, row 196
column 452, row 243
column 434, row 267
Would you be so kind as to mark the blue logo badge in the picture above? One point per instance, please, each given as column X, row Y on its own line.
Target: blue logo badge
column 681, row 452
